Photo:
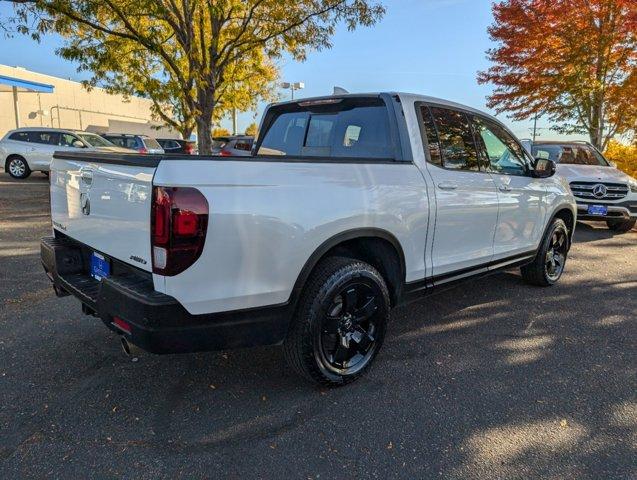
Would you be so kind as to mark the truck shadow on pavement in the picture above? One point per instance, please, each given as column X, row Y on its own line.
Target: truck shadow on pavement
column 493, row 379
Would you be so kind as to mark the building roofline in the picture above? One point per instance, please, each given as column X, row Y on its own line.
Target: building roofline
column 28, row 85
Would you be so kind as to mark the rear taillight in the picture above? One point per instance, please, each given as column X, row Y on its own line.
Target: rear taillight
column 189, row 149
column 142, row 150
column 225, row 153
column 179, row 221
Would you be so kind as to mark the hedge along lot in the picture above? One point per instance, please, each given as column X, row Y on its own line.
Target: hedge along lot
column 491, row 379
column 625, row 156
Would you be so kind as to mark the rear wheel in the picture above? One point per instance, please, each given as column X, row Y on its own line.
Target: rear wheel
column 621, row 226
column 548, row 266
column 18, row 167
column 340, row 322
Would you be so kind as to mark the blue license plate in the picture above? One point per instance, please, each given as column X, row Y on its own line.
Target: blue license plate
column 600, row 210
column 100, row 266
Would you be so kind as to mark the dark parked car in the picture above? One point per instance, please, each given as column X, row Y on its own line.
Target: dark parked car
column 174, row 145
column 141, row 143
column 235, row 146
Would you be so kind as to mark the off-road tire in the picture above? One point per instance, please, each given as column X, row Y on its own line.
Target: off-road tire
column 535, row 273
column 324, row 282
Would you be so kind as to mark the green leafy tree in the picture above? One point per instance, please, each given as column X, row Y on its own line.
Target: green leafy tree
column 198, row 56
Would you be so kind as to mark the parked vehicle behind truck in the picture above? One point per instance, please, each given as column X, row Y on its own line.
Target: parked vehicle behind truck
column 603, row 192
column 29, row 149
column 351, row 205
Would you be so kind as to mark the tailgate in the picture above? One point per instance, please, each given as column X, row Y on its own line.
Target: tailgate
column 104, row 201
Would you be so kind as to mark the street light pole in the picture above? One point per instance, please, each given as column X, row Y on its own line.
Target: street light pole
column 293, row 86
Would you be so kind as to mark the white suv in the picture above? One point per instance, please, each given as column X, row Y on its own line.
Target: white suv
column 25, row 150
column 602, row 191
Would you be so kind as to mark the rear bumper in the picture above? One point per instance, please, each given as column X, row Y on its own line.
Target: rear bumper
column 616, row 210
column 158, row 323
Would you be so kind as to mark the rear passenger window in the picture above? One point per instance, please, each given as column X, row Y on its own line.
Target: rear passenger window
column 458, row 149
column 433, row 144
column 351, row 128
column 47, row 138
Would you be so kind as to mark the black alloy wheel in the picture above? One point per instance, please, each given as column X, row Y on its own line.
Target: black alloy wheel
column 347, row 342
column 556, row 255
column 548, row 265
column 340, row 322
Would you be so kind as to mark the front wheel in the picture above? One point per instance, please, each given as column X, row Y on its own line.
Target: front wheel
column 18, row 167
column 621, row 226
column 340, row 322
column 548, row 265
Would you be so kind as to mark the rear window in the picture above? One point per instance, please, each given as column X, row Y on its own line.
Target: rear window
column 350, row 128
column 126, row 142
column 169, row 144
column 19, row 136
column 570, row 154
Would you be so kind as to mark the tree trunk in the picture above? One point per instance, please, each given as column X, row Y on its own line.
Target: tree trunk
column 206, row 105
column 596, row 130
column 204, row 133
column 186, row 132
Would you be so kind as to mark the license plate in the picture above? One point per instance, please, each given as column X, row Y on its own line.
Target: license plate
column 600, row 210
column 100, row 266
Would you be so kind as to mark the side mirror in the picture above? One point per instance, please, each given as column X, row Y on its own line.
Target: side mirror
column 77, row 144
column 544, row 168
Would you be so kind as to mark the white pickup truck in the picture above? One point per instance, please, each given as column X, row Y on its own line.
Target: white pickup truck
column 349, row 206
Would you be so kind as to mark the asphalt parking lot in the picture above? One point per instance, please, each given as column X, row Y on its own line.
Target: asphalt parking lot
column 493, row 379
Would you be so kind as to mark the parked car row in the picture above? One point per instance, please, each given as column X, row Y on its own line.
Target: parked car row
column 31, row 149
column 26, row 150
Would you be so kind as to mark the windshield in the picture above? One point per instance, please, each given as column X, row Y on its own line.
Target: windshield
column 572, row 154
column 151, row 143
column 95, row 140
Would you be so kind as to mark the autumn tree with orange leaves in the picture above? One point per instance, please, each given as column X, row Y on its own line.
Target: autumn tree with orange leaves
column 572, row 60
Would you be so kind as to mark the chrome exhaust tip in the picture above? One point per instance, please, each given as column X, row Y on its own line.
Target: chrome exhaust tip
column 130, row 350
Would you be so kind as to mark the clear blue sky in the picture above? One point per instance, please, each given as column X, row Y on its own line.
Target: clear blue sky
column 433, row 47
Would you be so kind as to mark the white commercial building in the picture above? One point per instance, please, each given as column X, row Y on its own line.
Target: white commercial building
column 30, row 99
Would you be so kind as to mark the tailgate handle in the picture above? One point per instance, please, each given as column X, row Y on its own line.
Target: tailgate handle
column 86, row 173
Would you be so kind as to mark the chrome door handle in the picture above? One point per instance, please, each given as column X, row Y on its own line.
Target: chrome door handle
column 504, row 188
column 447, row 186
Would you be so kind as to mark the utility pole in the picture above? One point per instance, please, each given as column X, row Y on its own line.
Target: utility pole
column 534, row 127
